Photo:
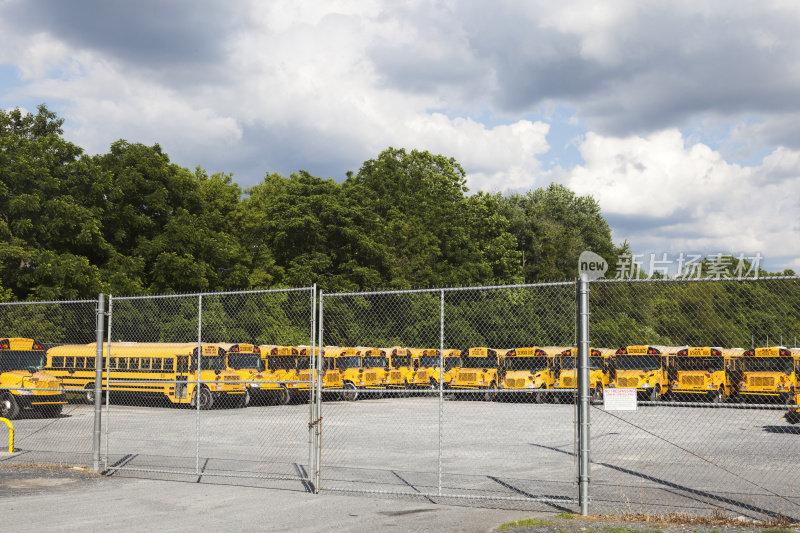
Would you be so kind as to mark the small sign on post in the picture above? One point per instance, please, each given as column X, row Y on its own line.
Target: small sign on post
column 619, row 399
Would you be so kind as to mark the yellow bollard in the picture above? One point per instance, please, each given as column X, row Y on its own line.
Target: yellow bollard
column 10, row 434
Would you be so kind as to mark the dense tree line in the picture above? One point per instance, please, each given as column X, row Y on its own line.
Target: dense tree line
column 130, row 221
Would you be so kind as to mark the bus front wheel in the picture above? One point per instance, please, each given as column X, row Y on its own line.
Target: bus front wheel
column 8, row 406
column 597, row 393
column 718, row 396
column 490, row 393
column 541, row 395
column 88, row 394
column 655, row 394
column 350, row 393
column 206, row 399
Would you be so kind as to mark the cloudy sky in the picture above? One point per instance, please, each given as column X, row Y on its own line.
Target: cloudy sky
column 682, row 118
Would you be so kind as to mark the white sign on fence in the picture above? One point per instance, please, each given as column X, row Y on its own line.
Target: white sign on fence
column 619, row 399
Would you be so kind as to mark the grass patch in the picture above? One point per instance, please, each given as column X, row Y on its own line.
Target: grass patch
column 777, row 530
column 524, row 523
column 565, row 516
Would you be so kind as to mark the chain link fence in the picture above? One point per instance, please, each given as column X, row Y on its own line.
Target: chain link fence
column 450, row 395
column 195, row 389
column 51, row 426
column 428, row 405
column 715, row 367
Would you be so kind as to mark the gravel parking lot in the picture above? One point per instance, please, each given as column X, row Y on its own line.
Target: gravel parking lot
column 657, row 459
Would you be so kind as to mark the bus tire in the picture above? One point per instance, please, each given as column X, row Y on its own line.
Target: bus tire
column 540, row 397
column 406, row 393
column 9, row 408
column 655, row 394
column 718, row 396
column 490, row 393
column 283, row 397
column 597, row 393
column 244, row 400
column 88, row 394
column 350, row 393
column 206, row 399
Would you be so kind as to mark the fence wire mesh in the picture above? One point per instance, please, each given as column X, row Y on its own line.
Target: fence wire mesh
column 715, row 368
column 210, row 385
column 437, row 394
column 52, row 424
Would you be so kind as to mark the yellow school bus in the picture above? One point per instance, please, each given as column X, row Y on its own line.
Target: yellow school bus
column 148, row 370
column 282, row 367
column 428, row 373
column 599, row 370
column 481, row 369
column 401, row 369
column 331, row 378
column 348, row 361
column 793, row 415
column 246, row 361
column 644, row 368
column 23, row 384
column 770, row 372
column 529, row 370
column 375, row 362
column 705, row 372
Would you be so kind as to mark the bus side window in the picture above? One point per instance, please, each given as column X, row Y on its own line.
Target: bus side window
column 145, row 363
column 58, row 362
column 168, row 365
column 133, row 363
column 123, row 363
column 156, row 364
column 183, row 363
column 80, row 362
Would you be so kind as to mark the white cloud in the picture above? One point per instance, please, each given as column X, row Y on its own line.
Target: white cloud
column 669, row 197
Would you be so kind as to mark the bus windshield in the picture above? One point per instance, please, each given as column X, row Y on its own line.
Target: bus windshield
column 353, row 361
column 638, row 362
column 770, row 364
column 532, row 364
column 432, row 361
column 213, row 362
column 479, row 362
column 245, row 361
column 706, row 364
column 281, row 363
column 401, row 360
column 21, row 359
column 375, row 361
column 569, row 363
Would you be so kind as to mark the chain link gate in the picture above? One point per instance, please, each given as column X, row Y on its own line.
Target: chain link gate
column 48, row 430
column 211, row 384
column 441, row 394
column 716, row 367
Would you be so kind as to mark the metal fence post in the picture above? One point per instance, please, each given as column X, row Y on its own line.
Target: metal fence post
column 441, row 381
column 98, row 382
column 318, row 439
column 198, row 386
column 583, row 394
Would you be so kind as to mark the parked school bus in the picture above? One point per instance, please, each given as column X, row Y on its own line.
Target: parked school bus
column 600, row 370
column 706, row 372
column 529, row 371
column 281, row 365
column 770, row 372
column 429, row 372
column 23, row 384
column 246, row 361
column 644, row 368
column 375, row 362
column 401, row 369
column 331, row 378
column 481, row 369
column 151, row 370
column 348, row 361
column 793, row 415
